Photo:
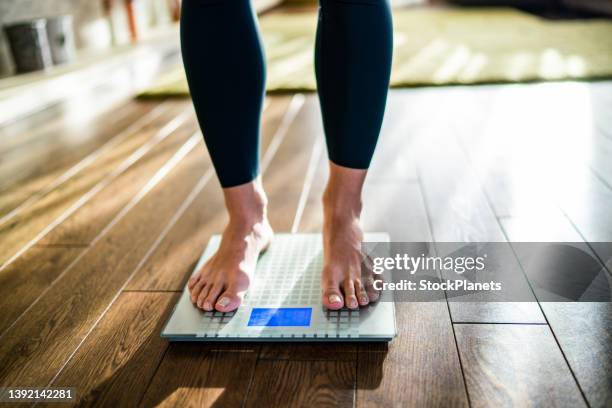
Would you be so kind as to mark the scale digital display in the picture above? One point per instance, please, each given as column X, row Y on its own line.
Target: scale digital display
column 290, row 316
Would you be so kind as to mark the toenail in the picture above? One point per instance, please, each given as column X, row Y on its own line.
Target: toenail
column 334, row 299
column 206, row 306
column 353, row 303
column 364, row 299
column 223, row 302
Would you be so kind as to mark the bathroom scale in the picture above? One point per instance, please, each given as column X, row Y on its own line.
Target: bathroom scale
column 283, row 302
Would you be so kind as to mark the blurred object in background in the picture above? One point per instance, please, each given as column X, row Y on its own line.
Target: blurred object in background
column 394, row 3
column 96, row 25
column 29, row 45
column 600, row 7
column 161, row 12
column 61, row 39
column 132, row 20
column 592, row 6
column 175, row 9
column 144, row 15
column 117, row 16
column 6, row 63
column 514, row 3
column 408, row 3
column 90, row 25
column 92, row 32
column 133, row 24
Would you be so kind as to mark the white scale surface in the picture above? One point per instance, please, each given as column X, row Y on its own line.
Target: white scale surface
column 283, row 303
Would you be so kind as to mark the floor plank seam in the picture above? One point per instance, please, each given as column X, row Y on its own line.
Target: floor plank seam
column 488, row 200
column 450, row 317
column 297, row 101
column 157, row 177
column 168, row 166
column 356, row 380
column 552, row 331
column 600, row 128
column 151, row 291
column 162, row 134
column 503, row 323
column 154, row 373
column 601, row 261
column 306, row 186
column 143, row 260
column 60, row 246
column 251, row 379
column 83, row 163
column 503, row 231
column 296, row 359
column 467, row 392
column 600, row 178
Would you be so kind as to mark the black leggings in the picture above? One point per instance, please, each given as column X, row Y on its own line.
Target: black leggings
column 225, row 67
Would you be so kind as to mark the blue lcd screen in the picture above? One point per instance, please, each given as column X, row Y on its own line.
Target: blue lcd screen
column 290, row 316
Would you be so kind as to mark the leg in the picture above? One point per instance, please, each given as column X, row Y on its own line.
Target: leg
column 225, row 70
column 353, row 65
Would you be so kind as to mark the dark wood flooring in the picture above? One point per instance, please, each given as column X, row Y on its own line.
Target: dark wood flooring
column 103, row 218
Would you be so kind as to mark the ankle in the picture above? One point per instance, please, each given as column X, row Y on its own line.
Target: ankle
column 338, row 204
column 246, row 204
column 342, row 196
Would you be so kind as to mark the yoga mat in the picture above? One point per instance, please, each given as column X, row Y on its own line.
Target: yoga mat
column 442, row 46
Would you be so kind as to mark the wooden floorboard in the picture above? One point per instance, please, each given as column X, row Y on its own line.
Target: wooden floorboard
column 302, row 384
column 84, row 306
column 515, row 365
column 555, row 201
column 26, row 278
column 582, row 330
column 197, row 375
column 421, row 366
column 116, row 362
column 394, row 157
column 459, row 212
column 51, row 122
column 28, row 226
column 82, row 227
column 28, row 192
column 12, row 198
column 36, row 347
column 26, row 157
column 407, row 372
column 584, row 333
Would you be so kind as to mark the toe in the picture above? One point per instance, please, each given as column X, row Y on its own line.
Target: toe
column 200, row 302
column 373, row 294
column 228, row 301
column 209, row 302
column 193, row 280
column 197, row 289
column 332, row 298
column 349, row 294
column 362, row 296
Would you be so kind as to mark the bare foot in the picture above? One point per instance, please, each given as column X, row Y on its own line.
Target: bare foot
column 342, row 280
column 225, row 278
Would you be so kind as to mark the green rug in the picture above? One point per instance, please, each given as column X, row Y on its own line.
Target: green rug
column 443, row 47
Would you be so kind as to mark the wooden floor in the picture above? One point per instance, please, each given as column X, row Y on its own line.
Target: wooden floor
column 104, row 214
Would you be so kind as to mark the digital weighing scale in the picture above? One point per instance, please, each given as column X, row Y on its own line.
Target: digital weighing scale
column 283, row 303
